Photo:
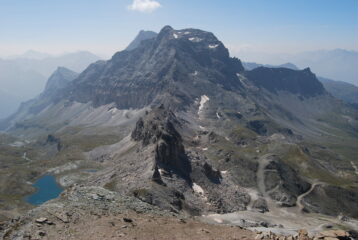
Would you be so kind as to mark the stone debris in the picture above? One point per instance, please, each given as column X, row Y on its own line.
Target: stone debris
column 41, row 233
column 128, row 220
column 62, row 216
column 303, row 235
column 205, row 230
column 333, row 234
column 41, row 220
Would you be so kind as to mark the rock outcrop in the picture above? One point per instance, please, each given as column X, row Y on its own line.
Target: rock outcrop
column 157, row 127
column 303, row 235
column 302, row 82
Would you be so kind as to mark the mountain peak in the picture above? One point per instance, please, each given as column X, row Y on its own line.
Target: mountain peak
column 167, row 28
column 142, row 35
column 171, row 65
column 59, row 79
column 61, row 70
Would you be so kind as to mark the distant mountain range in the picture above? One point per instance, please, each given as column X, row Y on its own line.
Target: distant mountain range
column 342, row 90
column 8, row 103
column 253, row 65
column 345, row 91
column 30, row 54
column 338, row 64
column 24, row 76
column 46, row 64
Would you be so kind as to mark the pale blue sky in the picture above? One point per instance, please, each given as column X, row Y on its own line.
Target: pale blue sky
column 106, row 26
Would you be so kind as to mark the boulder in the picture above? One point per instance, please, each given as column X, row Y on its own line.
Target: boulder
column 333, row 235
column 41, row 220
column 261, row 205
column 303, row 235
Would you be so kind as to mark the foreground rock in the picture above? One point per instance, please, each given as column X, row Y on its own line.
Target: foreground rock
column 303, row 235
column 96, row 213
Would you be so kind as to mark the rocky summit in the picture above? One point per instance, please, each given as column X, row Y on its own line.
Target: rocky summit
column 174, row 130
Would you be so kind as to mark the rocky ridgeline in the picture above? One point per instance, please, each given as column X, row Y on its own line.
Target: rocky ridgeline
column 303, row 235
column 75, row 204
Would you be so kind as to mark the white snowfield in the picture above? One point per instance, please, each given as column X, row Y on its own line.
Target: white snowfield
column 217, row 115
column 198, row 189
column 195, row 39
column 204, row 99
column 212, row 46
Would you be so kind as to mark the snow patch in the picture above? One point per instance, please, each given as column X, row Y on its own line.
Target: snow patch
column 213, row 46
column 17, row 144
column 195, row 39
column 24, row 156
column 217, row 115
column 64, row 168
column 355, row 167
column 113, row 110
column 186, row 33
column 195, row 73
column 218, row 220
column 175, row 36
column 223, row 172
column 204, row 99
column 254, row 194
column 205, row 149
column 198, row 189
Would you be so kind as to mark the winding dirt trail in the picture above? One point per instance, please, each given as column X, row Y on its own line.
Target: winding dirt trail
column 260, row 175
column 299, row 198
column 264, row 161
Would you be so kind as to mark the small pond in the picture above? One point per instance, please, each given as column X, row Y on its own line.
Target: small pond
column 47, row 189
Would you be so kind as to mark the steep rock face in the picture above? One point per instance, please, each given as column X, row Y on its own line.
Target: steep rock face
column 202, row 186
column 157, row 128
column 302, row 82
column 284, row 184
column 168, row 66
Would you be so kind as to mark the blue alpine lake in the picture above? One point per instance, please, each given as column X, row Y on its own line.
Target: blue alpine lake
column 47, row 189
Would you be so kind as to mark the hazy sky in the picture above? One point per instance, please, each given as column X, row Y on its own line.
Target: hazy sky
column 105, row 26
